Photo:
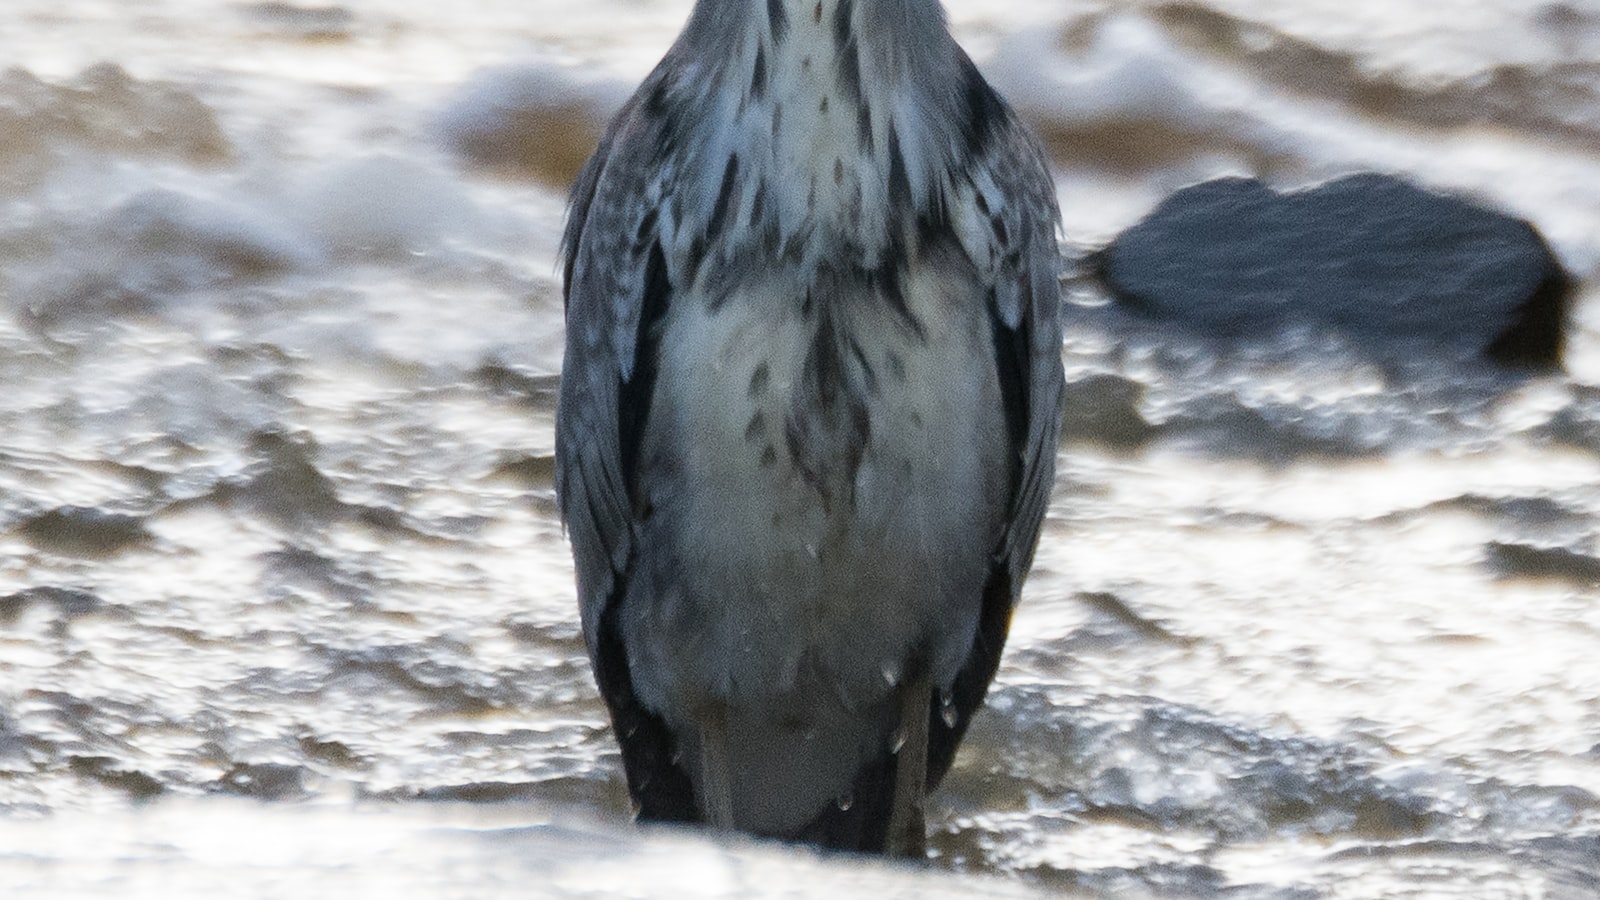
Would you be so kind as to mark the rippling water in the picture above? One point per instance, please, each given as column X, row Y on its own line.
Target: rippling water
column 280, row 331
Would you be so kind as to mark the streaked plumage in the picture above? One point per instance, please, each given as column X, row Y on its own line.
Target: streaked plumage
column 808, row 412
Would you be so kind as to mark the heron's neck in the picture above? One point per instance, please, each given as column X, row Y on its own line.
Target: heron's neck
column 832, row 107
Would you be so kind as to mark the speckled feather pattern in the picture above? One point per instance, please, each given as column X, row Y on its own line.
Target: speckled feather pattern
column 810, row 399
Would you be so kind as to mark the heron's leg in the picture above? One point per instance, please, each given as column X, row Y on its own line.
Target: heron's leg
column 716, row 783
column 907, row 832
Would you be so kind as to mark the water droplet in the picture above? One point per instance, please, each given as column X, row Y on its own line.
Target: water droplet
column 891, row 672
column 947, row 709
column 677, row 756
column 897, row 740
column 845, row 801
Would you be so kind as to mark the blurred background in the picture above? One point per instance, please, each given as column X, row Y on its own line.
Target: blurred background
column 285, row 605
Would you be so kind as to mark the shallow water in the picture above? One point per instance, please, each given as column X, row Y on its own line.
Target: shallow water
column 280, row 331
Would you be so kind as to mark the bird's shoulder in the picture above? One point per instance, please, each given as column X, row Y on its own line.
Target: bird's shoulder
column 1005, row 212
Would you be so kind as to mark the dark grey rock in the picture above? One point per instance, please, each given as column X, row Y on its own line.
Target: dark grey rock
column 1398, row 269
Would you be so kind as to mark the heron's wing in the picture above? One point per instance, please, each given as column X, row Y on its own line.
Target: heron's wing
column 1005, row 216
column 1008, row 227
column 617, row 289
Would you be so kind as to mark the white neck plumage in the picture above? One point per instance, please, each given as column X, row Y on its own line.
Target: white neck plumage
column 826, row 115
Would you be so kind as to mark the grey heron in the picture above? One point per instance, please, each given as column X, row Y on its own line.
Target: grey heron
column 808, row 414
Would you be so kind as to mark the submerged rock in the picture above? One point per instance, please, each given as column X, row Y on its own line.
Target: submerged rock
column 1393, row 266
column 1519, row 560
column 1104, row 409
column 83, row 531
column 105, row 110
column 538, row 122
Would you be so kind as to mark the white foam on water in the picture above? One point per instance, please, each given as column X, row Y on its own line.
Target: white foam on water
column 381, row 206
column 1125, row 69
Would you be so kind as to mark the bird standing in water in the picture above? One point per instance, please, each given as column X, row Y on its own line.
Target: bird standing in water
column 808, row 414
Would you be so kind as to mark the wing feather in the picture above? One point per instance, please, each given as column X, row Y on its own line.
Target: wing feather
column 612, row 231
column 1008, row 227
column 616, row 287
column 1006, row 218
